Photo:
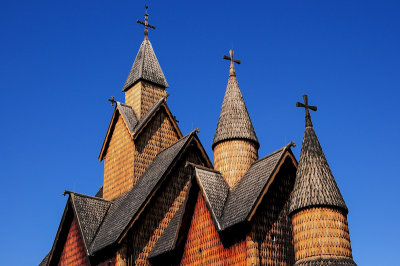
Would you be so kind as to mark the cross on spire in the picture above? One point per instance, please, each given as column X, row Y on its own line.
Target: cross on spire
column 307, row 107
column 146, row 24
column 232, row 66
column 112, row 100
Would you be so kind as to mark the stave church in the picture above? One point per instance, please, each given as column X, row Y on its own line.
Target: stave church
column 163, row 202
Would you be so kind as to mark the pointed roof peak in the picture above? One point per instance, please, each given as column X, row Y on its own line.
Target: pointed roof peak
column 146, row 67
column 234, row 121
column 315, row 184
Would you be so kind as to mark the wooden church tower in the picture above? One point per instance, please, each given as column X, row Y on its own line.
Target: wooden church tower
column 164, row 203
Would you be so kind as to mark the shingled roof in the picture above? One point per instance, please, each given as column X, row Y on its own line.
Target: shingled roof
column 135, row 126
column 145, row 67
column 234, row 120
column 315, row 184
column 227, row 207
column 90, row 212
column 123, row 209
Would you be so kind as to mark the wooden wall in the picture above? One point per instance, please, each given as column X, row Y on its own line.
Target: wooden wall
column 119, row 162
column 73, row 252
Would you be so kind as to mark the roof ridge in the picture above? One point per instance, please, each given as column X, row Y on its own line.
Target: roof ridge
column 291, row 144
column 202, row 167
column 84, row 195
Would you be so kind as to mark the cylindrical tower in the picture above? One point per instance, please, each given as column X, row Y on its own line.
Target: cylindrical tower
column 235, row 142
column 318, row 211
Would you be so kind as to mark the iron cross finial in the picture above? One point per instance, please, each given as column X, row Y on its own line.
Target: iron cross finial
column 232, row 66
column 307, row 107
column 112, row 100
column 146, row 24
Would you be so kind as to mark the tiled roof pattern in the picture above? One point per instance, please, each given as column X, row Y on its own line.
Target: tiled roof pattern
column 245, row 194
column 146, row 67
column 91, row 212
column 215, row 189
column 230, row 207
column 321, row 261
column 129, row 116
column 99, row 193
column 315, row 184
column 234, row 121
column 124, row 208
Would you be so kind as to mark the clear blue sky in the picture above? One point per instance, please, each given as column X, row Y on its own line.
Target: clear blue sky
column 61, row 60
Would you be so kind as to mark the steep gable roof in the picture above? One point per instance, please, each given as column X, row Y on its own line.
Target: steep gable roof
column 234, row 121
column 227, row 207
column 145, row 67
column 125, row 208
column 135, row 126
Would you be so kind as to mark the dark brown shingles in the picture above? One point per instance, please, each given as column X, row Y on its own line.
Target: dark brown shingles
column 124, row 208
column 128, row 115
column 244, row 195
column 234, row 121
column 325, row 261
column 227, row 207
column 315, row 184
column 146, row 67
column 90, row 212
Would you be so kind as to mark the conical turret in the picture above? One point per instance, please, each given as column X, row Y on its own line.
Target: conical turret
column 319, row 213
column 235, row 142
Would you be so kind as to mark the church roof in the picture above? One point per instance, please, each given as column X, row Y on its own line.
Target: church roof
column 234, row 121
column 124, row 208
column 227, row 207
column 135, row 126
column 326, row 261
column 315, row 184
column 145, row 67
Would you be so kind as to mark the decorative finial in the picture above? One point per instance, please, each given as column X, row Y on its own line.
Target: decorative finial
column 112, row 101
column 146, row 24
column 307, row 107
column 232, row 66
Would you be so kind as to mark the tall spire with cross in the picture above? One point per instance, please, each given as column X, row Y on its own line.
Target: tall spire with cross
column 146, row 66
column 317, row 208
column 315, row 184
column 146, row 24
column 235, row 133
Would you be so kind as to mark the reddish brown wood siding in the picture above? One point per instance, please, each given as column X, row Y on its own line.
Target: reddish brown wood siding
column 204, row 246
column 74, row 249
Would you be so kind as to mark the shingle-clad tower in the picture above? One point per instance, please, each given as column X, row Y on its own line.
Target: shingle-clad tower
column 235, row 143
column 146, row 82
column 318, row 211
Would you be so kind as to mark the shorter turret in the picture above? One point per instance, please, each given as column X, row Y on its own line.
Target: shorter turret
column 235, row 142
column 318, row 211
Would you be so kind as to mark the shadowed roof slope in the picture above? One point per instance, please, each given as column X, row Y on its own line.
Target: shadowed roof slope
column 315, row 184
column 145, row 67
column 123, row 209
column 234, row 120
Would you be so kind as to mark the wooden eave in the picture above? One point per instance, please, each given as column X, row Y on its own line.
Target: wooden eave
column 59, row 230
column 156, row 188
column 287, row 153
column 108, row 135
